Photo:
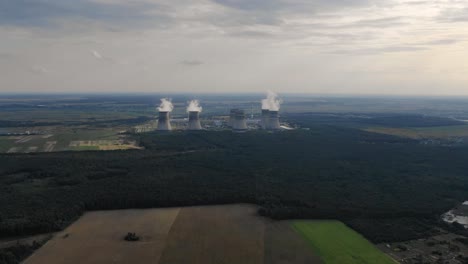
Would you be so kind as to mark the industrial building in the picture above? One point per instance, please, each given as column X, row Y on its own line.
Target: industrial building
column 164, row 123
column 237, row 119
column 194, row 121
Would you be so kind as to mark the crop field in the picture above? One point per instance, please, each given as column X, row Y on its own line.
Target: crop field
column 438, row 132
column 335, row 243
column 67, row 140
column 97, row 237
column 203, row 234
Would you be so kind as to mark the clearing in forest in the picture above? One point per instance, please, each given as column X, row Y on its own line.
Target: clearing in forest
column 335, row 243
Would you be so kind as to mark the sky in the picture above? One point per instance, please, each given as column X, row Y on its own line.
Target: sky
column 396, row 47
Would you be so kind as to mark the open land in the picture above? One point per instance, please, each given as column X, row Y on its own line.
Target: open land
column 199, row 235
column 335, row 243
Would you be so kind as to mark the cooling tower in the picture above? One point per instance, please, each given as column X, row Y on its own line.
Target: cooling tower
column 194, row 121
column 232, row 117
column 265, row 118
column 163, row 121
column 239, row 120
column 273, row 121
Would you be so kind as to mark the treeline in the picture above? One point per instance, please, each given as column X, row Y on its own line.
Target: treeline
column 17, row 253
column 385, row 187
column 373, row 119
column 97, row 123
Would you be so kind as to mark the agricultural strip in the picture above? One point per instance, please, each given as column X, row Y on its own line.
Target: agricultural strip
column 216, row 234
column 97, row 237
column 335, row 243
column 228, row 234
column 285, row 246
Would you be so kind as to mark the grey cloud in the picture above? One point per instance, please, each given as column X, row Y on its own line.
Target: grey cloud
column 297, row 5
column 373, row 51
column 192, row 62
column 44, row 12
column 39, row 70
column 442, row 42
column 453, row 15
column 98, row 56
column 381, row 22
column 271, row 12
column 251, row 34
column 364, row 23
column 6, row 56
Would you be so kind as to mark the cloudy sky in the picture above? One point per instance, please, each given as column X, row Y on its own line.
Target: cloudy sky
column 314, row 46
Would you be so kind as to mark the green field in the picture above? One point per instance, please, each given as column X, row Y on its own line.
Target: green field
column 335, row 243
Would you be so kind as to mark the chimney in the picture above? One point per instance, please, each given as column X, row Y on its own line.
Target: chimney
column 273, row 121
column 239, row 120
column 194, row 121
column 265, row 118
column 163, row 121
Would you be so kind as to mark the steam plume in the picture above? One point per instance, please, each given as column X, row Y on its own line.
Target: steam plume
column 194, row 106
column 166, row 105
column 272, row 102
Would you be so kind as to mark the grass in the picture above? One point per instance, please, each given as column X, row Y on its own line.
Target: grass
column 335, row 243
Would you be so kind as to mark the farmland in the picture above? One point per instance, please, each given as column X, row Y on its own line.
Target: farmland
column 67, row 139
column 335, row 243
column 199, row 235
column 439, row 132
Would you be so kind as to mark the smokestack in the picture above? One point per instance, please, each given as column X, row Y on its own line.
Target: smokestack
column 163, row 121
column 239, row 120
column 194, row 121
column 273, row 122
column 265, row 118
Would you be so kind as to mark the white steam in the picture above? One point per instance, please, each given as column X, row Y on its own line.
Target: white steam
column 272, row 102
column 166, row 105
column 194, row 106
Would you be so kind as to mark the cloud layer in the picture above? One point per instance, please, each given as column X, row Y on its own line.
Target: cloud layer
column 323, row 46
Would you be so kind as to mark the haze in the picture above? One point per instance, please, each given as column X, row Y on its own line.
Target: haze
column 322, row 46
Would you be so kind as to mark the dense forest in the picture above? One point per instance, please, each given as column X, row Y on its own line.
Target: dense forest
column 387, row 188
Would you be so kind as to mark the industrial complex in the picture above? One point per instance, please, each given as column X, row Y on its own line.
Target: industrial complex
column 237, row 119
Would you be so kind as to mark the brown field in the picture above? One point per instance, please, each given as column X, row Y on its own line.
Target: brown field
column 203, row 234
column 97, row 237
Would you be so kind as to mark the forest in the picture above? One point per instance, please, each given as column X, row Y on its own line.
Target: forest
column 385, row 187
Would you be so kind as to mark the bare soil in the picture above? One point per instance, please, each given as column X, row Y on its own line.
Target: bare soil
column 222, row 234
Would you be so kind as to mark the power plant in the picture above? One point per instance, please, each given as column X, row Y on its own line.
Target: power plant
column 265, row 118
column 273, row 120
column 237, row 119
column 164, row 123
column 165, row 108
column 269, row 119
column 194, row 109
column 194, row 121
column 232, row 117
